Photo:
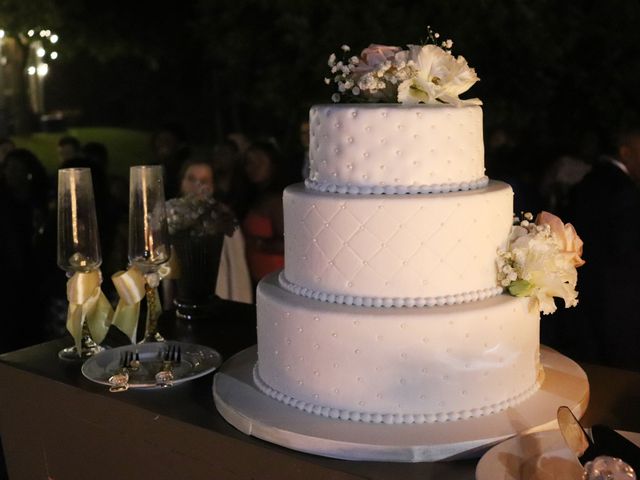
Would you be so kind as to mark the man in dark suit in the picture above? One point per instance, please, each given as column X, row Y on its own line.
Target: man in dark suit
column 605, row 210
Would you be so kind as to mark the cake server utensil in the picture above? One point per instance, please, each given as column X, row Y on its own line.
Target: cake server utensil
column 576, row 437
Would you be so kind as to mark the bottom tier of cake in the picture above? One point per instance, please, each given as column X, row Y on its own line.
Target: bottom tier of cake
column 396, row 365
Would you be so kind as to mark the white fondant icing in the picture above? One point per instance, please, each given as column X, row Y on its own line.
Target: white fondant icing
column 501, row 348
column 419, row 145
column 390, row 418
column 390, row 248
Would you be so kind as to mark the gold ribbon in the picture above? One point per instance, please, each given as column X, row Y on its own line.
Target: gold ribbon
column 131, row 286
column 87, row 304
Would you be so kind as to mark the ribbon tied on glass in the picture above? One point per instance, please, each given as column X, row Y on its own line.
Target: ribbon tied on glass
column 131, row 285
column 90, row 313
column 149, row 251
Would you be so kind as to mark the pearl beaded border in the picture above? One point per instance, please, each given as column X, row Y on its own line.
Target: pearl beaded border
column 397, row 190
column 392, row 418
column 388, row 302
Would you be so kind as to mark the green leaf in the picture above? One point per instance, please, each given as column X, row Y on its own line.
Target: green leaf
column 520, row 288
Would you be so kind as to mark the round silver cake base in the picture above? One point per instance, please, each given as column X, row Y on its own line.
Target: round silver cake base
column 249, row 410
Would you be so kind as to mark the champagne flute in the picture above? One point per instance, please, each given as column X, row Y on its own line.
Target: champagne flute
column 148, row 237
column 78, row 241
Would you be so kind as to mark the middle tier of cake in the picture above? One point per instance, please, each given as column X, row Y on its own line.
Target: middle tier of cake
column 395, row 250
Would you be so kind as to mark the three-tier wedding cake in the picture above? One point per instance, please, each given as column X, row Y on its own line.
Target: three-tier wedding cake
column 408, row 296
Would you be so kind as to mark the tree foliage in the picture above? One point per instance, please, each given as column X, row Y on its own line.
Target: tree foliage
column 548, row 69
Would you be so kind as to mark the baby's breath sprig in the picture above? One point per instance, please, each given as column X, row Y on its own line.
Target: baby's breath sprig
column 342, row 71
column 433, row 38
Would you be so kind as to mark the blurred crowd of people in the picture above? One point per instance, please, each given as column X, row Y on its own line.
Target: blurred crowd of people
column 592, row 185
column 595, row 186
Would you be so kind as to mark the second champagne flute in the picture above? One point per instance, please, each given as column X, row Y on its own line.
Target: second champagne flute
column 148, row 237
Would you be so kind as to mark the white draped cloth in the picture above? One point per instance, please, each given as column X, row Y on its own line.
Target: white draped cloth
column 234, row 282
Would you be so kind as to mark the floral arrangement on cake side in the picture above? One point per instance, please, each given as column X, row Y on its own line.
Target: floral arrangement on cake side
column 199, row 215
column 426, row 73
column 540, row 261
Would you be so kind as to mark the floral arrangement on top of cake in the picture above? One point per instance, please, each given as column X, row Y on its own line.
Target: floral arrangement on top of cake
column 426, row 73
column 199, row 215
column 540, row 261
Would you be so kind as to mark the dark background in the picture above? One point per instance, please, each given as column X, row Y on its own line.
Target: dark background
column 551, row 72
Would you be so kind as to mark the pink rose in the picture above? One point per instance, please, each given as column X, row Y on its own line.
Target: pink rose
column 374, row 55
column 569, row 240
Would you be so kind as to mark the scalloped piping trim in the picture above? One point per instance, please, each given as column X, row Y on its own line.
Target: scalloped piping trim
column 388, row 302
column 397, row 190
column 394, row 418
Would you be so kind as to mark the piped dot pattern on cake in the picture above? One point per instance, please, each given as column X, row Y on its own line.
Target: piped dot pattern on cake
column 418, row 360
column 338, row 135
column 388, row 418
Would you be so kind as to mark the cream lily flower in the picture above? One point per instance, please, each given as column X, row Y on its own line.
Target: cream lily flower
column 440, row 77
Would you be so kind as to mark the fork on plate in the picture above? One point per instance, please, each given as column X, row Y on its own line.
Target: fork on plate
column 170, row 357
column 119, row 381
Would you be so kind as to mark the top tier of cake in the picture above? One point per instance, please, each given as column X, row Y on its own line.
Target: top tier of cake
column 381, row 148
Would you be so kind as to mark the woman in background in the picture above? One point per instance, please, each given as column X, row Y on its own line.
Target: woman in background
column 263, row 225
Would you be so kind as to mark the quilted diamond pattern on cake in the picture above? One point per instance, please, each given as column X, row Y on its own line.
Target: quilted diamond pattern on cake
column 343, row 221
column 407, row 247
column 366, row 244
column 331, row 243
column 381, row 241
column 313, row 221
column 378, row 222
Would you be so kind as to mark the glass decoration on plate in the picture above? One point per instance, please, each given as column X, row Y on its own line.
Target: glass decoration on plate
column 149, row 247
column 79, row 255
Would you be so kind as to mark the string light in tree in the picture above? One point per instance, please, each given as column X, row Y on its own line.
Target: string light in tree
column 36, row 50
column 39, row 51
column 38, row 41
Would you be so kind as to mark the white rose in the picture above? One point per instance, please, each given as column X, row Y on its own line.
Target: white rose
column 565, row 234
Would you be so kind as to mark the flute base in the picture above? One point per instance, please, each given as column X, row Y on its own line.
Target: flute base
column 152, row 338
column 72, row 354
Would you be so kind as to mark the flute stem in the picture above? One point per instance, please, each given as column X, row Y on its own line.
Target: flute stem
column 151, row 333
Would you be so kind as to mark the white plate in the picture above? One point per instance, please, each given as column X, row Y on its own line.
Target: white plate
column 539, row 456
column 197, row 360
